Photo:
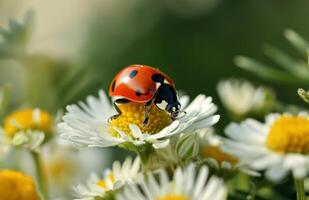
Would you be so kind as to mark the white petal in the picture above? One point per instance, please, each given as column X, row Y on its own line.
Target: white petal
column 136, row 131
column 276, row 173
column 184, row 100
column 161, row 144
column 211, row 188
column 237, row 132
column 201, row 179
column 206, row 122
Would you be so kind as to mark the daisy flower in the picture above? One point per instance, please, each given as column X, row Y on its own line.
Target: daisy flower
column 216, row 157
column 211, row 150
column 64, row 165
column 253, row 100
column 279, row 146
column 86, row 124
column 187, row 184
column 17, row 186
column 112, row 180
column 28, row 128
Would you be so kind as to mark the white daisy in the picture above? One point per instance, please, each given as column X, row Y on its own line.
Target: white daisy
column 28, row 128
column 65, row 165
column 211, row 150
column 253, row 100
column 112, row 180
column 87, row 124
column 279, row 146
column 187, row 184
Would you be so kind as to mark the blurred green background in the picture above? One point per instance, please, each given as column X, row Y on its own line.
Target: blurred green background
column 193, row 41
column 54, row 53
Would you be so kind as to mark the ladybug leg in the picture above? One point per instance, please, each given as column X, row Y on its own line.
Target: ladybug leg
column 116, row 115
column 118, row 101
column 146, row 117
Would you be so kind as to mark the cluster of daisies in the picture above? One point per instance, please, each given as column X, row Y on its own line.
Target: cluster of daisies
column 150, row 176
column 180, row 159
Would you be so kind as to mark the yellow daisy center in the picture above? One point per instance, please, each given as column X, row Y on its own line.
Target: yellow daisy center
column 102, row 183
column 28, row 119
column 172, row 197
column 17, row 186
column 289, row 134
column 60, row 170
column 216, row 153
column 133, row 113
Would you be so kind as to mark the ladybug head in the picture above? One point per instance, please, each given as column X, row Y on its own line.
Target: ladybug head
column 173, row 108
column 166, row 99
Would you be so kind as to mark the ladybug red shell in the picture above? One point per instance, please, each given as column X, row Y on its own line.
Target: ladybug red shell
column 136, row 83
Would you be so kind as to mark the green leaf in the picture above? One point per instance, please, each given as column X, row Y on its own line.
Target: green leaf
column 109, row 195
column 298, row 68
column 308, row 59
column 5, row 93
column 264, row 71
column 15, row 37
column 296, row 40
column 74, row 83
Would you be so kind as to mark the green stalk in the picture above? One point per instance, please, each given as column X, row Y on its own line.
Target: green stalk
column 144, row 152
column 40, row 177
column 145, row 155
column 300, row 189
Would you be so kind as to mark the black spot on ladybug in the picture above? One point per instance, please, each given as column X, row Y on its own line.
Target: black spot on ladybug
column 113, row 86
column 138, row 93
column 133, row 74
column 158, row 78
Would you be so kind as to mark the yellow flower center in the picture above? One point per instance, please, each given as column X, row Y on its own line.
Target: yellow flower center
column 133, row 113
column 60, row 170
column 102, row 183
column 17, row 186
column 172, row 197
column 289, row 134
column 28, row 119
column 216, row 153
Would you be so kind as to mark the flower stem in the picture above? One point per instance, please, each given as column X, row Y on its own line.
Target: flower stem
column 39, row 175
column 143, row 151
column 300, row 189
column 145, row 156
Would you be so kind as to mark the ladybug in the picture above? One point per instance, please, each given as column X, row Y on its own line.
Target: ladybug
column 145, row 84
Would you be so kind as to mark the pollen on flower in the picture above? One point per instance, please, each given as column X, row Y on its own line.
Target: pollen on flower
column 133, row 113
column 28, row 119
column 289, row 134
column 59, row 170
column 103, row 183
column 216, row 153
column 172, row 197
column 17, row 186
